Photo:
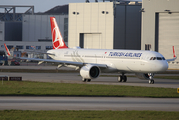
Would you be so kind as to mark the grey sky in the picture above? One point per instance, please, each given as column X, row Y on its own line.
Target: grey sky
column 42, row 5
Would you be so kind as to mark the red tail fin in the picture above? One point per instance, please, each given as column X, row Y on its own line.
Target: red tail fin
column 174, row 55
column 7, row 50
column 57, row 38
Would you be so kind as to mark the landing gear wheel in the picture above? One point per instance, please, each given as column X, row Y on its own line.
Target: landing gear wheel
column 151, row 75
column 151, row 81
column 122, row 78
column 89, row 80
column 119, row 79
column 84, row 80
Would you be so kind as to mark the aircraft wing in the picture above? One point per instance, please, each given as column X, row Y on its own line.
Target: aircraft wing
column 35, row 52
column 80, row 64
column 63, row 62
column 173, row 59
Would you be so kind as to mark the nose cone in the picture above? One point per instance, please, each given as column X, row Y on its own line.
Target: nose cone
column 162, row 66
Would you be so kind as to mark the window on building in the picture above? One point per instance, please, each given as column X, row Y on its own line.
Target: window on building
column 10, row 47
column 38, row 47
column 19, row 47
column 30, row 47
column 147, row 46
column 49, row 47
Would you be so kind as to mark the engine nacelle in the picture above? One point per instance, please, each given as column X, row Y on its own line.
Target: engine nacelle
column 143, row 76
column 90, row 72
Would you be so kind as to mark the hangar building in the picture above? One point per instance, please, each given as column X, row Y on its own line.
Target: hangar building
column 29, row 31
column 105, row 25
column 160, row 27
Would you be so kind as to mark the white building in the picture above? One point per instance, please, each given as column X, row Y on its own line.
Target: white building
column 160, row 28
column 105, row 25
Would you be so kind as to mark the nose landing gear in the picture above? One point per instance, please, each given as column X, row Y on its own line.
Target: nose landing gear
column 151, row 80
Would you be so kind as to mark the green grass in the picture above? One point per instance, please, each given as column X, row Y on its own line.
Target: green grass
column 66, row 89
column 87, row 115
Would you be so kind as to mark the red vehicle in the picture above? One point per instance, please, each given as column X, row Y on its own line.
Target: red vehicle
column 15, row 62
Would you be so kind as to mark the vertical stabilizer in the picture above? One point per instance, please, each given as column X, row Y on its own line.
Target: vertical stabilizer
column 174, row 55
column 57, row 39
column 7, row 50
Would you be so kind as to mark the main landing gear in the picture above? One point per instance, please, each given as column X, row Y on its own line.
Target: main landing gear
column 151, row 75
column 86, row 80
column 122, row 78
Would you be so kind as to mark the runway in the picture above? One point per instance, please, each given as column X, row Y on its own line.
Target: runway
column 89, row 103
column 76, row 78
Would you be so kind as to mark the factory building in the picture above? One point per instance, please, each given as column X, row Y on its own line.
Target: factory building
column 160, row 28
column 105, row 25
column 27, row 32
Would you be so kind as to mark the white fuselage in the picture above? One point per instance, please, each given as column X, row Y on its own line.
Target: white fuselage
column 136, row 61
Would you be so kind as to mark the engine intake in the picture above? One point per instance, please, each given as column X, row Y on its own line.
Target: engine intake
column 90, row 72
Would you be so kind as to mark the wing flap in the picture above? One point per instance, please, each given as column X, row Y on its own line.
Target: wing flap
column 64, row 62
column 36, row 52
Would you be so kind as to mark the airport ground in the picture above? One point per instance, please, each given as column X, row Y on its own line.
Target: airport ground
column 87, row 103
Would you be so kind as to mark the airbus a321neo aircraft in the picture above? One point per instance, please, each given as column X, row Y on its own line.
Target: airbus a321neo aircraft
column 92, row 62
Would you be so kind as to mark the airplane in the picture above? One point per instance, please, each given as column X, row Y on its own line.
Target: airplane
column 92, row 62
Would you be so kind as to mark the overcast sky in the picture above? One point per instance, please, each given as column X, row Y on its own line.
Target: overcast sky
column 41, row 5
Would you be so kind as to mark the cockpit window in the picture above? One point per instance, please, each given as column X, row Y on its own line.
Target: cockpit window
column 151, row 58
column 157, row 58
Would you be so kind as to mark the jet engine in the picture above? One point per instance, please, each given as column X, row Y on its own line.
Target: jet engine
column 143, row 76
column 90, row 72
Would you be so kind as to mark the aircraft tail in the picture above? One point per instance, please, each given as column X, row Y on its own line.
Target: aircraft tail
column 57, row 39
column 7, row 50
column 174, row 55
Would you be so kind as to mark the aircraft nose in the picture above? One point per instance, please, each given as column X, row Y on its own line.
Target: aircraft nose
column 163, row 66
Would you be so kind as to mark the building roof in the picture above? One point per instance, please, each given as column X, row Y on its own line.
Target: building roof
column 58, row 10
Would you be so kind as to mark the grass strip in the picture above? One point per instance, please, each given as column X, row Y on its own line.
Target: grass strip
column 86, row 115
column 67, row 89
